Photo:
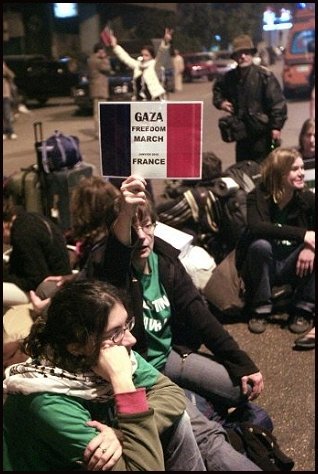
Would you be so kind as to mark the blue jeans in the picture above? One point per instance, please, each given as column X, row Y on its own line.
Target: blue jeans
column 181, row 452
column 7, row 116
column 265, row 268
column 199, row 373
column 216, row 451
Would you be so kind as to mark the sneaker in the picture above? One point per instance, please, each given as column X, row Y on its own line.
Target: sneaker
column 257, row 324
column 13, row 136
column 23, row 109
column 299, row 323
column 306, row 341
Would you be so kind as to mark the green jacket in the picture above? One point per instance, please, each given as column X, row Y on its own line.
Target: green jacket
column 46, row 431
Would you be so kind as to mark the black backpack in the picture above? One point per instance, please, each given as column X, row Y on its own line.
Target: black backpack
column 211, row 169
column 245, row 173
column 234, row 219
column 260, row 446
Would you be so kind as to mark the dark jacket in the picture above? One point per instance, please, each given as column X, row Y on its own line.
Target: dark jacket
column 192, row 323
column 257, row 98
column 299, row 219
column 38, row 250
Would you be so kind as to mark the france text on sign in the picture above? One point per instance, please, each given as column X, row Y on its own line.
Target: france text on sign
column 151, row 139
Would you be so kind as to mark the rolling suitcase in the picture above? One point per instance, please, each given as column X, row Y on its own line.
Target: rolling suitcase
column 25, row 189
column 38, row 140
column 47, row 192
column 28, row 187
column 59, row 186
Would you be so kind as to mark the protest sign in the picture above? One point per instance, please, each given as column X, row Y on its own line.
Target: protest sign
column 151, row 139
column 106, row 36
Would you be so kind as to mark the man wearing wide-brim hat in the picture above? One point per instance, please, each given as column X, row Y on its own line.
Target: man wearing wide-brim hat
column 242, row 43
column 253, row 94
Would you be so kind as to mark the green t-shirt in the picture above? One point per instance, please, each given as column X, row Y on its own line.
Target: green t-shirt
column 46, row 431
column 157, row 313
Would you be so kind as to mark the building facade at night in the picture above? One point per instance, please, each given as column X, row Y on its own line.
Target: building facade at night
column 43, row 28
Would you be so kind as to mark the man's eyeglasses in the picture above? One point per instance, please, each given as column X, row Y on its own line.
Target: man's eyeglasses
column 147, row 228
column 118, row 335
column 239, row 53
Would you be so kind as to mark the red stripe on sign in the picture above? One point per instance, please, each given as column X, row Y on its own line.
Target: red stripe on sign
column 184, row 140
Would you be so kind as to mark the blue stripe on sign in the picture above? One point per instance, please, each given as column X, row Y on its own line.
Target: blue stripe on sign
column 115, row 139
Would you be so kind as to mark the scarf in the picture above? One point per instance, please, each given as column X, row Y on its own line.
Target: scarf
column 32, row 377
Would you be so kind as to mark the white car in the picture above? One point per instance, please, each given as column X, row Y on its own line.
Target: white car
column 223, row 61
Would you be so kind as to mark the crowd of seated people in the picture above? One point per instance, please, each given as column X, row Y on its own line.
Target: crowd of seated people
column 113, row 230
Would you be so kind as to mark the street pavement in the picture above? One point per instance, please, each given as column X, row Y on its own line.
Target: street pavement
column 289, row 395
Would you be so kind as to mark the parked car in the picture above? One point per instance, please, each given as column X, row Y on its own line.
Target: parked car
column 38, row 78
column 198, row 66
column 299, row 55
column 120, row 85
column 223, row 61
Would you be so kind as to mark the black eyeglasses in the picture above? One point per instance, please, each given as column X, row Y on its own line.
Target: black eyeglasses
column 118, row 335
column 147, row 228
column 242, row 51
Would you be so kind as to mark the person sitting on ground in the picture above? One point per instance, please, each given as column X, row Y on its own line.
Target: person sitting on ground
column 307, row 148
column 146, row 83
column 280, row 245
column 186, row 304
column 38, row 247
column 82, row 375
column 172, row 320
column 90, row 203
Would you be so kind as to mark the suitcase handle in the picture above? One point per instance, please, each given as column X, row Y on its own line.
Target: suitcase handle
column 38, row 132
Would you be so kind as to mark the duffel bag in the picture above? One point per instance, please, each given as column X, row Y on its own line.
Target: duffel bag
column 60, row 151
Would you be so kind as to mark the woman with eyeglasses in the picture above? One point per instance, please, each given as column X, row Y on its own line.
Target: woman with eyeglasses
column 85, row 401
column 172, row 321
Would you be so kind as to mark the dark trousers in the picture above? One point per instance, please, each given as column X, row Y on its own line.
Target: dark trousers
column 7, row 116
column 264, row 268
column 253, row 147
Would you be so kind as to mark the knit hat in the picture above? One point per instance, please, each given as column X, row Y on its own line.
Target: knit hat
column 243, row 42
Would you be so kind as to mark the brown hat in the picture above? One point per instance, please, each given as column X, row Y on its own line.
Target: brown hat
column 243, row 42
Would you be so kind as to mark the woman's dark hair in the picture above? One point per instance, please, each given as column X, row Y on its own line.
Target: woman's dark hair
column 150, row 49
column 77, row 315
column 307, row 125
column 91, row 203
column 98, row 47
column 143, row 211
